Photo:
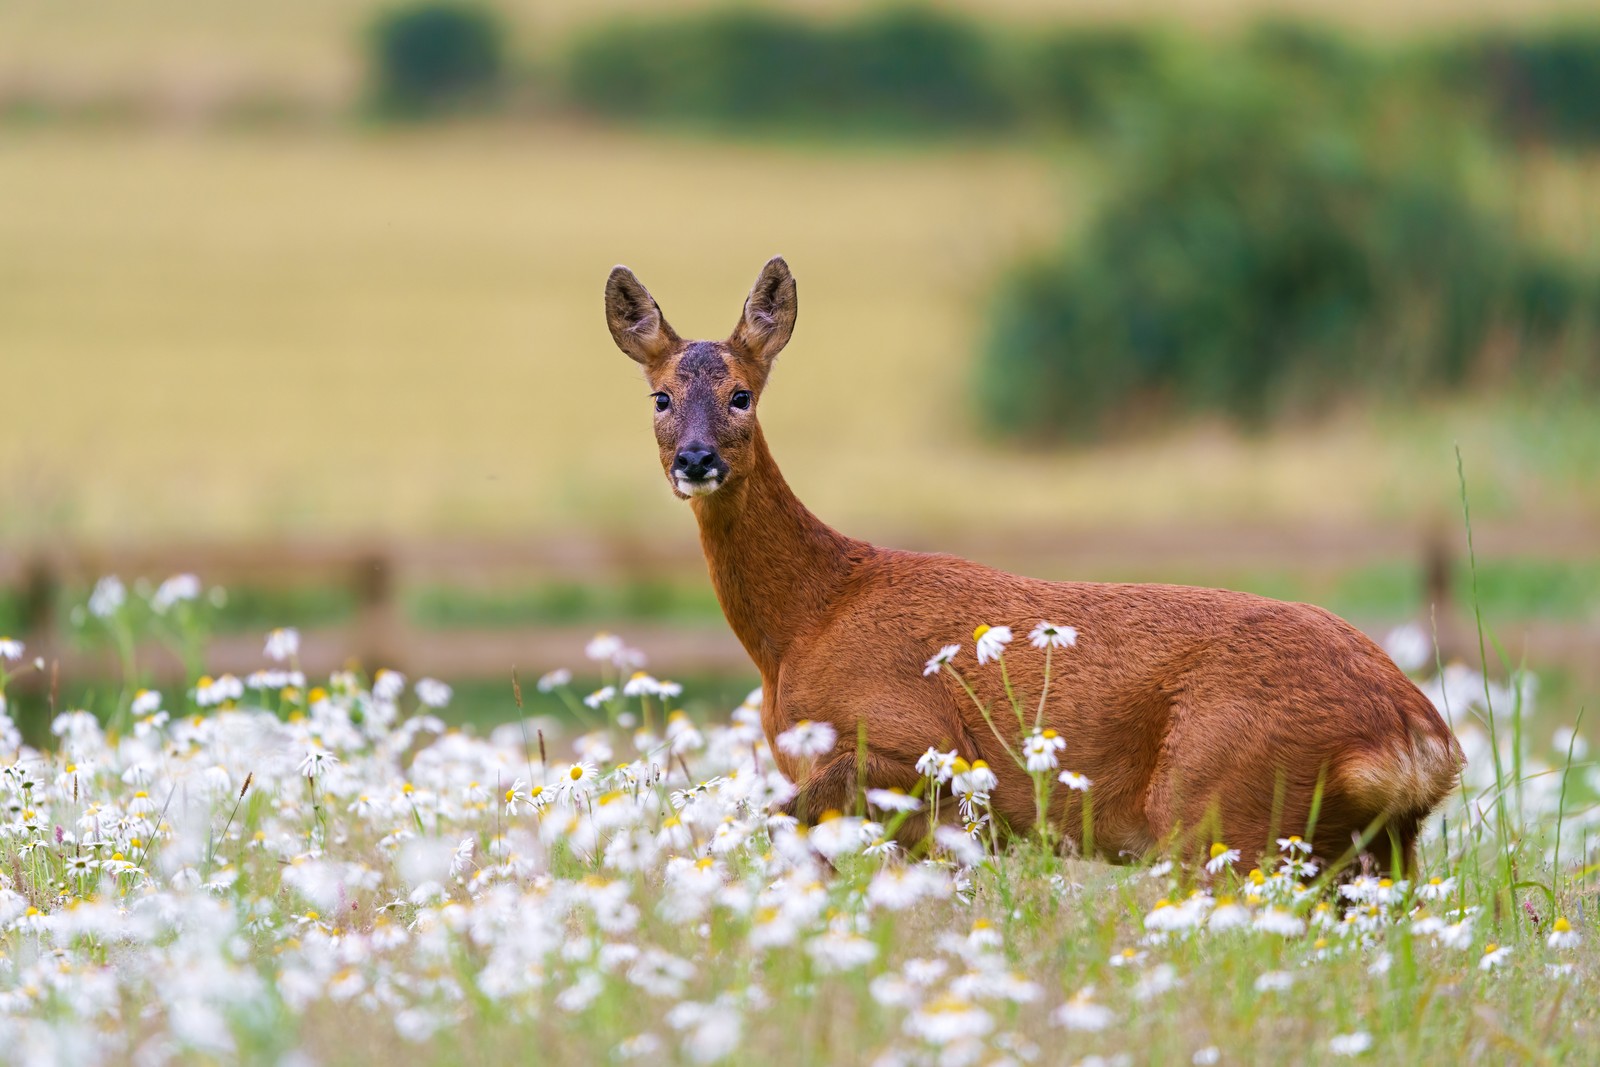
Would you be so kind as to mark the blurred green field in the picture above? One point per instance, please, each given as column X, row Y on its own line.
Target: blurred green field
column 193, row 44
column 248, row 334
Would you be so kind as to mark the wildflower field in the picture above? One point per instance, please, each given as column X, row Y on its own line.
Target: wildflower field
column 285, row 869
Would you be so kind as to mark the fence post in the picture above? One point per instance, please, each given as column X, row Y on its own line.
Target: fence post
column 41, row 589
column 376, row 611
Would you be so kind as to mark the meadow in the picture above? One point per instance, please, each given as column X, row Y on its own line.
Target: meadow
column 280, row 869
column 286, row 320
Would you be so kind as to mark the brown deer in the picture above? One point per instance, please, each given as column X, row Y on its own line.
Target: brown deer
column 1199, row 715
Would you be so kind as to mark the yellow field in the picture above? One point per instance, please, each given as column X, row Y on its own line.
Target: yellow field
column 232, row 335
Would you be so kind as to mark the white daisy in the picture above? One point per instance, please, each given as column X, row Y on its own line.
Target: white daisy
column 992, row 642
column 1049, row 635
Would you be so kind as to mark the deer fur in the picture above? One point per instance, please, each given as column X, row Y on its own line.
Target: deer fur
column 1200, row 715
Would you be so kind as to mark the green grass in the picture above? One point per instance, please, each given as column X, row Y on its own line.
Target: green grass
column 1511, row 589
column 660, row 600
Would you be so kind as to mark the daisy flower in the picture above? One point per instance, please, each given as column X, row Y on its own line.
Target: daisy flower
column 973, row 778
column 1437, row 888
column 554, row 680
column 317, row 762
column 1350, row 1044
column 806, row 739
column 1294, row 843
column 108, row 597
column 283, row 644
column 432, row 692
column 387, row 685
column 173, row 591
column 603, row 646
column 641, row 684
column 1049, row 635
column 1040, row 749
column 937, row 765
column 580, row 779
column 1493, row 956
column 893, row 800
column 10, row 649
column 943, row 656
column 1074, row 781
column 1562, row 935
column 1082, row 1013
column 992, row 642
column 1222, row 857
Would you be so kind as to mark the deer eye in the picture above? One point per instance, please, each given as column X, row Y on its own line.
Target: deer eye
column 741, row 399
column 663, row 401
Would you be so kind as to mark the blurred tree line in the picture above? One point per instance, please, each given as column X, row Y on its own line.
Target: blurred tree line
column 1291, row 217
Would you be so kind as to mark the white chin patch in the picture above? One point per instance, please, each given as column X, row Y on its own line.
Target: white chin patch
column 704, row 487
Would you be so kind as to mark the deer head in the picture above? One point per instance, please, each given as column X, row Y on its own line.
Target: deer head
column 704, row 393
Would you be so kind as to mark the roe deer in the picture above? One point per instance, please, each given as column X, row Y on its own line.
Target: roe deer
column 1199, row 715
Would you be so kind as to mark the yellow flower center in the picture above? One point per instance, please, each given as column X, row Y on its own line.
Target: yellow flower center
column 1218, row 849
column 983, row 628
column 576, row 773
column 1489, row 948
column 1561, row 925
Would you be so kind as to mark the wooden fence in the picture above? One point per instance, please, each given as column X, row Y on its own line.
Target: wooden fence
column 375, row 573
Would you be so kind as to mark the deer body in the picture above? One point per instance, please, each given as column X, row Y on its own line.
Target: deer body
column 1198, row 714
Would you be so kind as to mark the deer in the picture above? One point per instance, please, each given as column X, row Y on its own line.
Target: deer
column 1200, row 716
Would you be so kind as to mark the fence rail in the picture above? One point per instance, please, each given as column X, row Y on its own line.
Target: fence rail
column 375, row 572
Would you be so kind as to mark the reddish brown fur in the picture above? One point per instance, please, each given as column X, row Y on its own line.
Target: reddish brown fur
column 1199, row 714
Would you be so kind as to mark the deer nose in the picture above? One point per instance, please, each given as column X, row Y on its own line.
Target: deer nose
column 695, row 461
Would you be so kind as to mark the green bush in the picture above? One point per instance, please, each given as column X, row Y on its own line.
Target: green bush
column 1080, row 78
column 1542, row 88
column 1266, row 251
column 901, row 69
column 433, row 57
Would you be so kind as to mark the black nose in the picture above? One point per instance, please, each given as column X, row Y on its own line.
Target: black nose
column 695, row 462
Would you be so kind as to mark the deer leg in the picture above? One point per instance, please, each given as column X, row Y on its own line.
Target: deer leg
column 836, row 783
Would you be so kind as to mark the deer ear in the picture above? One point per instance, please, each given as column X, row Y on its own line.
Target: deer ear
column 635, row 319
column 769, row 313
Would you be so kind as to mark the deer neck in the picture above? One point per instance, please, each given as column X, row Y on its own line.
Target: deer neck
column 775, row 566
